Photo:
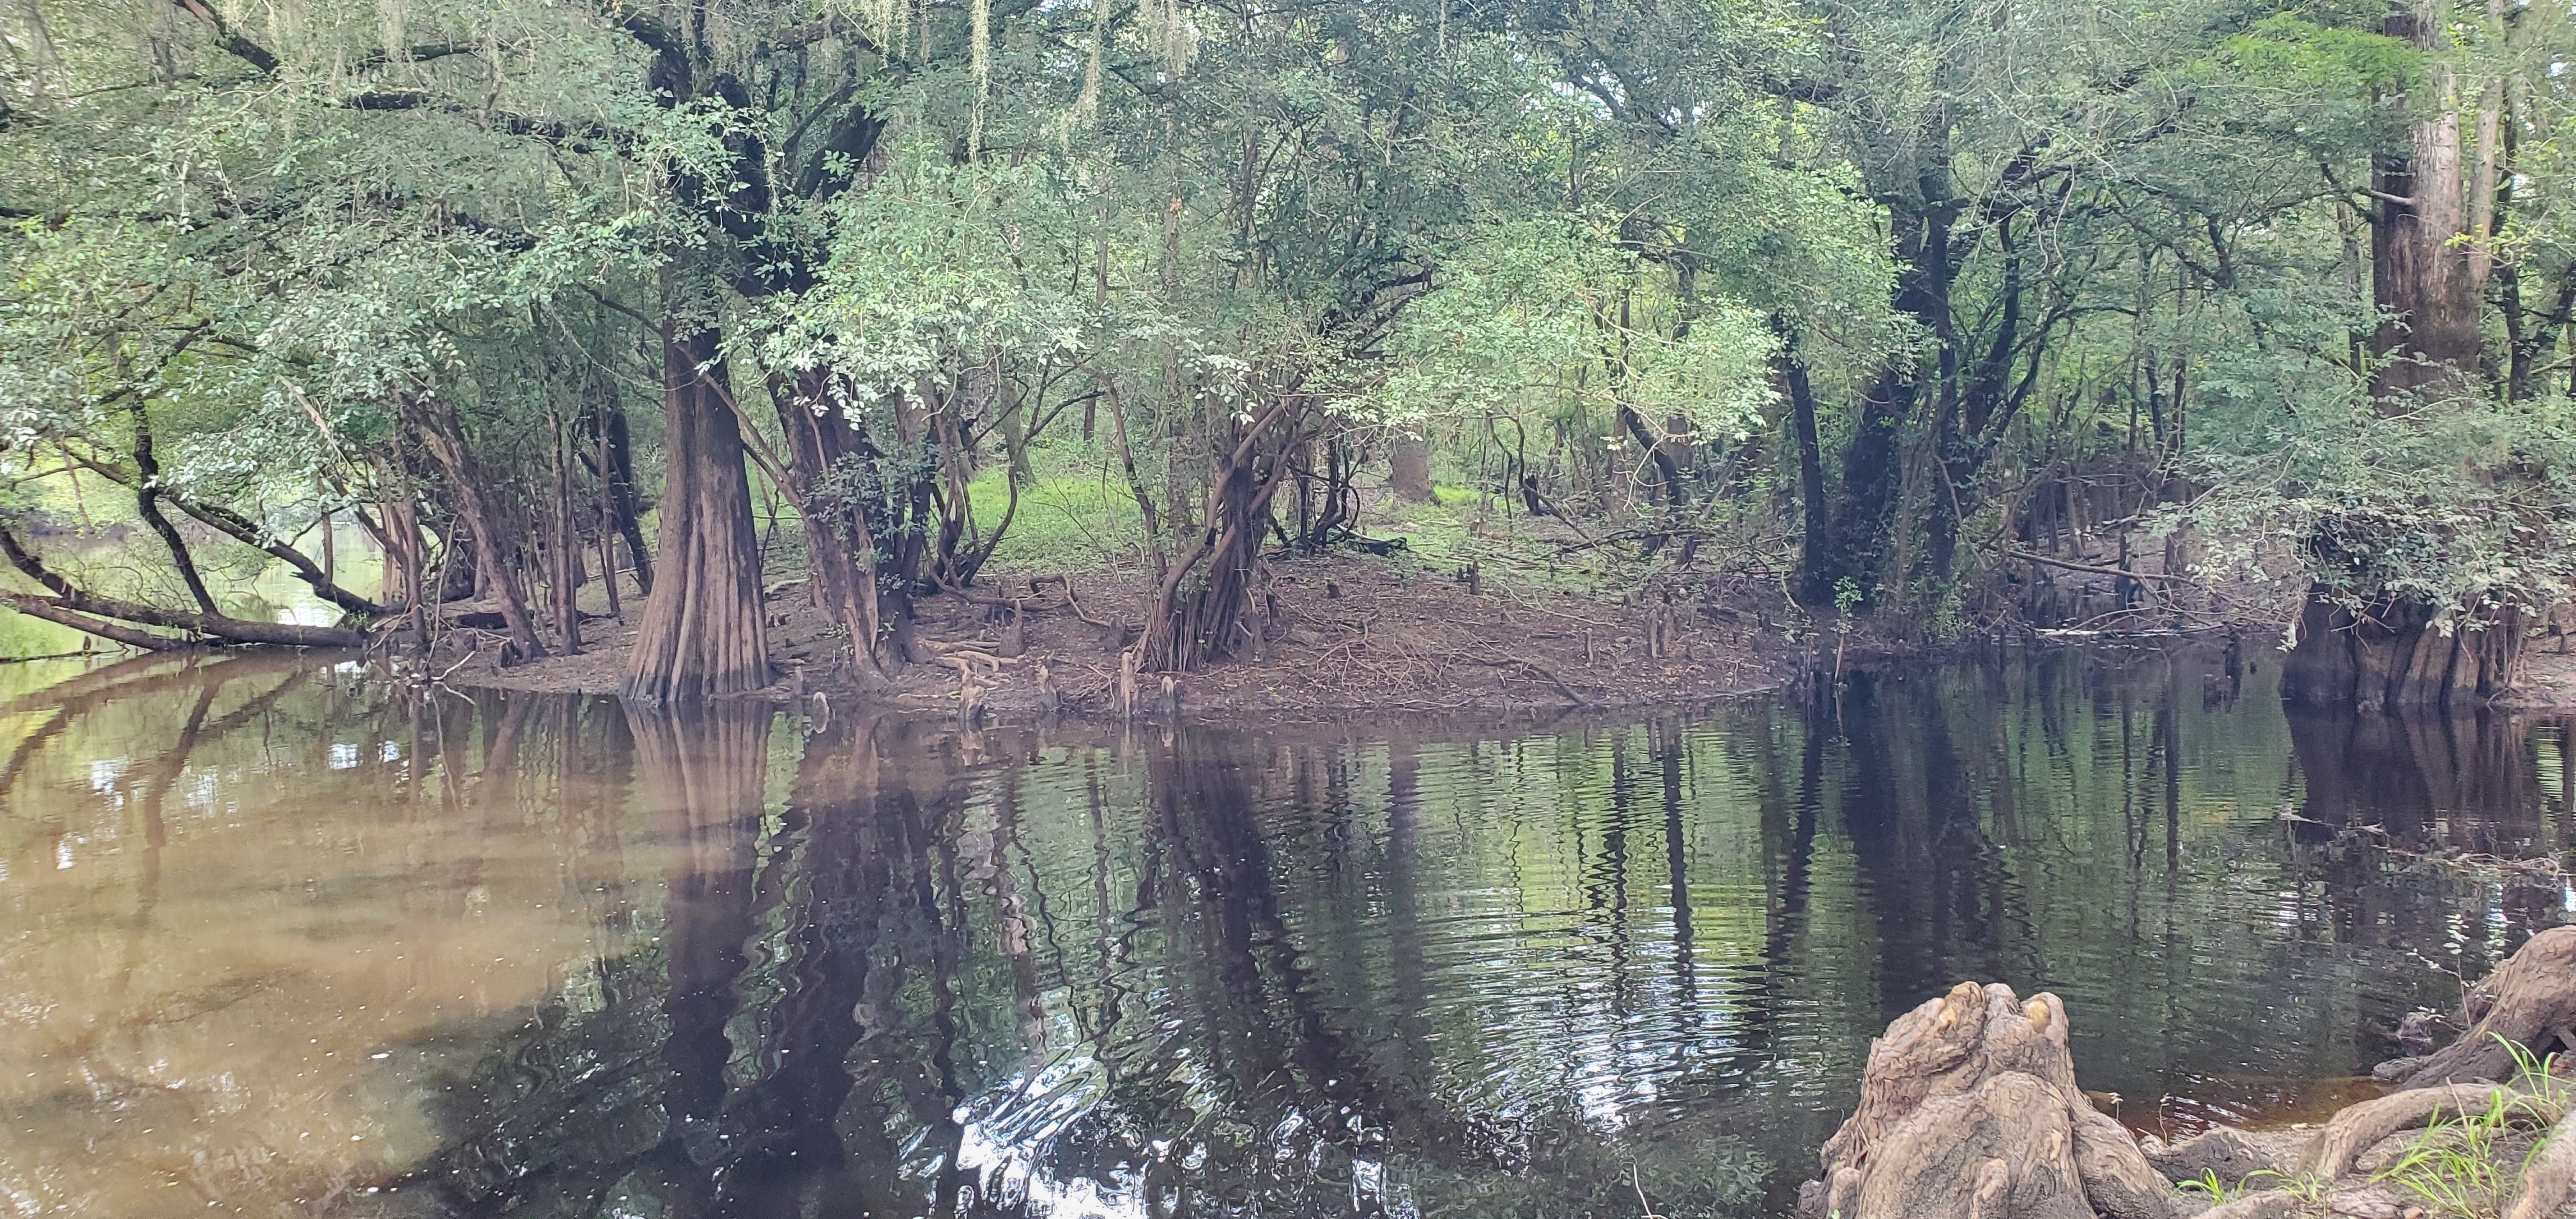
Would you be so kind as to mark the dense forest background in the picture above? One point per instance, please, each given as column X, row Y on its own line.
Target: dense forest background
column 1917, row 313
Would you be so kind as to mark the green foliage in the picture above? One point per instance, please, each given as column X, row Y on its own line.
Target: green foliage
column 2120, row 242
column 2458, row 1167
column 2288, row 52
column 2458, row 506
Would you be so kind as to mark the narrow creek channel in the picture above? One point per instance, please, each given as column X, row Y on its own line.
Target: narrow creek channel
column 278, row 940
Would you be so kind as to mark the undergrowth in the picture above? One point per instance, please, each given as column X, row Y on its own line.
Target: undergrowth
column 2458, row 1169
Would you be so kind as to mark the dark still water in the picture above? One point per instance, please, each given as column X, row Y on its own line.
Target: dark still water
column 276, row 940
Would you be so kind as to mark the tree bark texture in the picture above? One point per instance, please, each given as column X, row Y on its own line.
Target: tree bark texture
column 2529, row 1002
column 1408, row 473
column 1969, row 1110
column 702, row 634
column 2428, row 257
column 444, row 436
column 2395, row 653
column 844, row 558
column 1193, row 625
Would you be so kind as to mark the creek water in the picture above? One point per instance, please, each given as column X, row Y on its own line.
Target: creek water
column 276, row 939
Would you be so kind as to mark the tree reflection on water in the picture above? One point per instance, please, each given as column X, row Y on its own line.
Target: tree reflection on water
column 737, row 963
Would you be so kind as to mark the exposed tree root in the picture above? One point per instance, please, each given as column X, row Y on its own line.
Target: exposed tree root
column 2529, row 1003
column 1969, row 1110
column 2354, row 1130
column 2270, row 1204
column 2550, row 1176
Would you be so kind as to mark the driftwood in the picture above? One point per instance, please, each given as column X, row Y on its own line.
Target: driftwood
column 2529, row 1002
column 1969, row 1110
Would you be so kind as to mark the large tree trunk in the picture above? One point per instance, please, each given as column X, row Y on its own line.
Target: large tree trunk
column 2429, row 260
column 2428, row 257
column 840, row 538
column 2395, row 654
column 703, row 634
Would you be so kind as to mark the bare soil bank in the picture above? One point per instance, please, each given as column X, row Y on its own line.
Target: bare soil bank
column 1352, row 633
column 2548, row 680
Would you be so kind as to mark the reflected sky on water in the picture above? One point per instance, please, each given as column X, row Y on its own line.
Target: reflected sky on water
column 279, row 940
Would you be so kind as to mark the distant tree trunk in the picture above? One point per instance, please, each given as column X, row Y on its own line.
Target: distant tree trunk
column 1409, row 468
column 843, row 557
column 2429, row 261
column 565, row 574
column 702, row 634
column 617, row 479
column 1195, row 617
column 1812, row 561
column 1857, row 538
column 444, row 436
column 460, row 568
column 2428, row 253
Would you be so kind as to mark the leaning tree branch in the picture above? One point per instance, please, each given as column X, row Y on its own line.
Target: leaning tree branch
column 39, row 607
column 240, row 528
column 74, row 600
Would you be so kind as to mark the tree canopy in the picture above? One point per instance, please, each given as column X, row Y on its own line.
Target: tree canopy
column 1949, row 312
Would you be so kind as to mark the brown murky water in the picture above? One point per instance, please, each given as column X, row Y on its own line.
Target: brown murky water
column 276, row 939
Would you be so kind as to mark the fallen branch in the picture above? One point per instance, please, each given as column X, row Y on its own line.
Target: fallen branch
column 80, row 609
column 1079, row 612
column 39, row 607
column 241, row 529
column 1540, row 669
column 2096, row 569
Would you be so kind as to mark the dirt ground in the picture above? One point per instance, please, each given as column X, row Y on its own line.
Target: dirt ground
column 1353, row 633
column 2548, row 679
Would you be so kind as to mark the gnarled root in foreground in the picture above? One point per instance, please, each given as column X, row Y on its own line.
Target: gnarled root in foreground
column 2550, row 1176
column 2529, row 1003
column 1969, row 1110
column 2354, row 1130
column 2220, row 1152
column 2270, row 1204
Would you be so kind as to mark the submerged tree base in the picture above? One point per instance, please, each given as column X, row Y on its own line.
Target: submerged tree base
column 2401, row 653
column 1969, row 1110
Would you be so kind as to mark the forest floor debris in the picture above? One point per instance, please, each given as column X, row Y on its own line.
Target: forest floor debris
column 1349, row 632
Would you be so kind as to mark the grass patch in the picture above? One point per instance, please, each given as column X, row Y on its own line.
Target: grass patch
column 1075, row 515
column 2458, row 1169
